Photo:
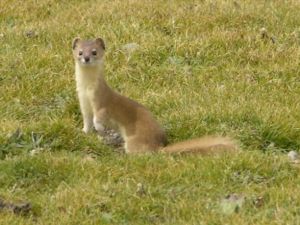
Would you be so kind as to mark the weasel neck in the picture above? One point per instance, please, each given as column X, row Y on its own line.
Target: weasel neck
column 90, row 77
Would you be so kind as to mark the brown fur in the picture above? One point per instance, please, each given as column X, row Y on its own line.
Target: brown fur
column 101, row 106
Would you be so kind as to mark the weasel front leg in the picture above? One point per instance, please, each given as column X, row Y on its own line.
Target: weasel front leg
column 87, row 123
column 87, row 113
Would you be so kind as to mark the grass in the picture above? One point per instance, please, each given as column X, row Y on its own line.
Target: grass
column 202, row 67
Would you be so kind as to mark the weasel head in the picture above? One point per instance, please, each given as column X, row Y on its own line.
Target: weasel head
column 88, row 53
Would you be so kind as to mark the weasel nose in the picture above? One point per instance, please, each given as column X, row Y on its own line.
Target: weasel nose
column 86, row 59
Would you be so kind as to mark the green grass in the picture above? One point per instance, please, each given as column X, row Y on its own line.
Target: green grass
column 202, row 67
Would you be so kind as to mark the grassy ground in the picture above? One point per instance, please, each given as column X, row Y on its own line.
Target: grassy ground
column 202, row 67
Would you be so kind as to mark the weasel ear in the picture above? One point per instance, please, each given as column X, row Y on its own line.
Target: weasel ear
column 100, row 42
column 75, row 42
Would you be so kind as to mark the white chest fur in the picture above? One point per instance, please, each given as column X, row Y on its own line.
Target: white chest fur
column 87, row 78
column 87, row 82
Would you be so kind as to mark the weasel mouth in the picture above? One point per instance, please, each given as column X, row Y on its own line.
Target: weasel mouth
column 90, row 62
column 85, row 62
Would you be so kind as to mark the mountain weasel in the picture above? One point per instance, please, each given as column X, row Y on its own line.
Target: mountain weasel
column 103, row 107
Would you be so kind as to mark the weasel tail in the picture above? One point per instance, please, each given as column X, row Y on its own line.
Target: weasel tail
column 102, row 107
column 205, row 146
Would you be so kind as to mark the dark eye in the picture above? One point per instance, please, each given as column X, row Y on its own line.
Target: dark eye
column 80, row 52
column 94, row 52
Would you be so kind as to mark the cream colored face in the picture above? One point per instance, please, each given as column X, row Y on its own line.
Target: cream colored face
column 88, row 52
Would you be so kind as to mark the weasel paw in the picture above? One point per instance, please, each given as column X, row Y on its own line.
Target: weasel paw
column 86, row 130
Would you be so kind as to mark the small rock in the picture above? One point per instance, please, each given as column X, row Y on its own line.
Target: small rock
column 258, row 202
column 112, row 138
column 271, row 146
column 264, row 33
column 31, row 34
column 140, row 189
column 88, row 158
column 293, row 155
column 130, row 48
column 273, row 39
column 20, row 208
column 175, row 60
column 35, row 151
column 62, row 209
column 236, row 5
column 232, row 203
column 103, row 207
column 187, row 70
column 23, row 208
column 107, row 217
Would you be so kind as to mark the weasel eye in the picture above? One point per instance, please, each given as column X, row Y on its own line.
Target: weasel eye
column 80, row 52
column 94, row 52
